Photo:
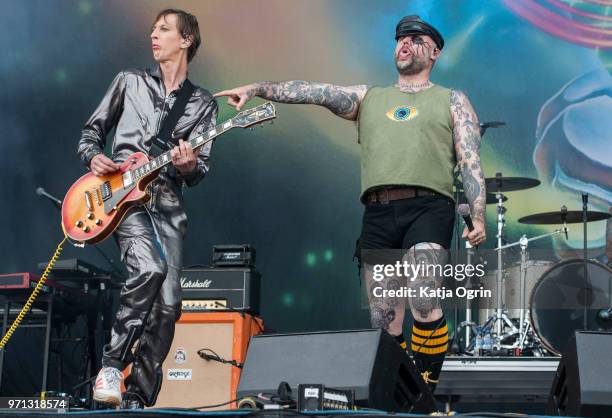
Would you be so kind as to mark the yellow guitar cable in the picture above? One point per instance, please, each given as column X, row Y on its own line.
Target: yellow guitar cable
column 33, row 296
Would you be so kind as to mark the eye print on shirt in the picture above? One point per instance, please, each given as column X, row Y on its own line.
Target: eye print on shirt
column 402, row 113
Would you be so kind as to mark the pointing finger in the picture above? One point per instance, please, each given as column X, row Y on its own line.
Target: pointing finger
column 223, row 93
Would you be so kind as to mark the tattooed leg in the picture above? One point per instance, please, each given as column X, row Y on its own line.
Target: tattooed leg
column 385, row 312
column 426, row 309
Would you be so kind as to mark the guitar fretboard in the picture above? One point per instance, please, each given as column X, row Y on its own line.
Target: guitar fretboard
column 166, row 158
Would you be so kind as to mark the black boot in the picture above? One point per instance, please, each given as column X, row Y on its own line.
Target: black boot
column 429, row 344
column 430, row 371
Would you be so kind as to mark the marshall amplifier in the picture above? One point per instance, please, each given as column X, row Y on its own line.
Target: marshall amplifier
column 242, row 255
column 206, row 289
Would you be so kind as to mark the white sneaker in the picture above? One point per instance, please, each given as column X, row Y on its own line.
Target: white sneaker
column 108, row 386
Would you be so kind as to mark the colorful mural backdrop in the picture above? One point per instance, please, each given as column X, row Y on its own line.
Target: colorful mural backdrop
column 291, row 189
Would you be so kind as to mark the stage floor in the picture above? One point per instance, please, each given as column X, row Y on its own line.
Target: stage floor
column 467, row 384
column 170, row 413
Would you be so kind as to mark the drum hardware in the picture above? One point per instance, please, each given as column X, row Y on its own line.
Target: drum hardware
column 500, row 319
column 494, row 327
column 486, row 125
column 460, row 197
column 500, row 332
column 576, row 216
column 524, row 320
column 557, row 305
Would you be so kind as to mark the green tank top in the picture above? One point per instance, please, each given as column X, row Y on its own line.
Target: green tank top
column 407, row 139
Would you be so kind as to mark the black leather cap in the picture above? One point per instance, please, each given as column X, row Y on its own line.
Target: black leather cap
column 413, row 24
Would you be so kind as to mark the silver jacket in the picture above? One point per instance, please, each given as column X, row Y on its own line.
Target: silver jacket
column 150, row 237
column 135, row 104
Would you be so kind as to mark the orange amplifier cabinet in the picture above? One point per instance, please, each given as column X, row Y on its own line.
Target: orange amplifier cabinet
column 191, row 381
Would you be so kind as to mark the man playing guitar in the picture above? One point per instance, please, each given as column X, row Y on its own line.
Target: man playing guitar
column 150, row 237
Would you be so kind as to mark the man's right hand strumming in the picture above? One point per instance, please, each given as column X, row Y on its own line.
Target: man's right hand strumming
column 101, row 165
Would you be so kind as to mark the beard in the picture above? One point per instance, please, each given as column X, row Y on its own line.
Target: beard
column 411, row 67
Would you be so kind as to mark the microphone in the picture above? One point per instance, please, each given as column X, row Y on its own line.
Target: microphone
column 41, row 192
column 464, row 211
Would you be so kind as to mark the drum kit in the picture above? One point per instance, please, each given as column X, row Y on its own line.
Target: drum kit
column 537, row 304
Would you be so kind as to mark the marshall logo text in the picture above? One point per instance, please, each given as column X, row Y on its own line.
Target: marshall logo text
column 195, row 283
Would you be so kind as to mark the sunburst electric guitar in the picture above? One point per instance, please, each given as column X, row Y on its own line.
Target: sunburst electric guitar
column 94, row 206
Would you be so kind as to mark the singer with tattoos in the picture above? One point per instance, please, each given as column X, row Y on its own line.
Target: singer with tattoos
column 412, row 136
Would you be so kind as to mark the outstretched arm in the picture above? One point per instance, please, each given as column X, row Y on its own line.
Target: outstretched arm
column 466, row 135
column 343, row 101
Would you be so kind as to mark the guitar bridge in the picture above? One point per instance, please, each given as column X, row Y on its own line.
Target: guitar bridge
column 106, row 191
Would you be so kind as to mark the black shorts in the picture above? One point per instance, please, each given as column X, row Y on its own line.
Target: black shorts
column 400, row 224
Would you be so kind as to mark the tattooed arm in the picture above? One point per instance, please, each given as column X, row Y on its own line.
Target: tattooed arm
column 466, row 135
column 343, row 101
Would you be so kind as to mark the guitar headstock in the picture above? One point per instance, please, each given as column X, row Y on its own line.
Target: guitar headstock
column 254, row 116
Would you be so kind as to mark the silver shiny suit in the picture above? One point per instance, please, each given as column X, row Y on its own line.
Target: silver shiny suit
column 150, row 237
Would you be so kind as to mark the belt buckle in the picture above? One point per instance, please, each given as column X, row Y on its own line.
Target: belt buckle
column 384, row 200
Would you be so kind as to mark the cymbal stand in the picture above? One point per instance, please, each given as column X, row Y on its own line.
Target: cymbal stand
column 500, row 316
column 585, row 202
column 500, row 320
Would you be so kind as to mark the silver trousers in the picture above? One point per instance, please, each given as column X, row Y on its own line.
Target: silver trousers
column 151, row 242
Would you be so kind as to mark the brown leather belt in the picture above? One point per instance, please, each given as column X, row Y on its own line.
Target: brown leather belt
column 387, row 195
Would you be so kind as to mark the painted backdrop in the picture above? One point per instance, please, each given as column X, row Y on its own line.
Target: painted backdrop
column 291, row 189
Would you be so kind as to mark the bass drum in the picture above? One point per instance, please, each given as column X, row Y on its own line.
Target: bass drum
column 558, row 300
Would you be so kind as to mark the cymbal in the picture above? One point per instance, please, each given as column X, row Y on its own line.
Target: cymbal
column 490, row 198
column 510, row 184
column 555, row 218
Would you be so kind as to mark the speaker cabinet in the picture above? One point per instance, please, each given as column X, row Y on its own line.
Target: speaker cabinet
column 583, row 382
column 191, row 381
column 369, row 362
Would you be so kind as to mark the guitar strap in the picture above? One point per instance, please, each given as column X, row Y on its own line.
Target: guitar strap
column 164, row 141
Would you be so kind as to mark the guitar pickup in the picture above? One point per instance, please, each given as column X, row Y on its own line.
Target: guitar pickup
column 89, row 201
column 106, row 191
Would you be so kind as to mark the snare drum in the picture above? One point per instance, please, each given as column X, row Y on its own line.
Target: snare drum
column 511, row 288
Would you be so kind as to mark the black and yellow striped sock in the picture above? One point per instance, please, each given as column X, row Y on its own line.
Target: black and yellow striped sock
column 401, row 341
column 429, row 344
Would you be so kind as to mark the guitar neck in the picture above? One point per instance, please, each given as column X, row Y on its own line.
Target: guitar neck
column 166, row 158
column 244, row 119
